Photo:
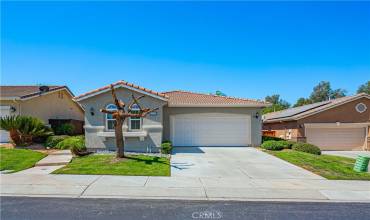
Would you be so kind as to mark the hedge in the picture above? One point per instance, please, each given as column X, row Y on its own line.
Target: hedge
column 273, row 145
column 307, row 148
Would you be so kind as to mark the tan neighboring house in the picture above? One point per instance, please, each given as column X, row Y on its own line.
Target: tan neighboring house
column 338, row 124
column 185, row 118
column 44, row 102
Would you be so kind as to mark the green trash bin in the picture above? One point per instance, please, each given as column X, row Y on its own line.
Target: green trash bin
column 362, row 163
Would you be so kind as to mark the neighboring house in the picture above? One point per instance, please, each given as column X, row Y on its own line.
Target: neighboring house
column 44, row 102
column 338, row 124
column 185, row 118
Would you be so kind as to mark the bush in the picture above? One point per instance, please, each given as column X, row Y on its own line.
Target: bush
column 65, row 129
column 75, row 143
column 52, row 141
column 288, row 144
column 166, row 147
column 307, row 148
column 273, row 145
column 268, row 138
column 24, row 129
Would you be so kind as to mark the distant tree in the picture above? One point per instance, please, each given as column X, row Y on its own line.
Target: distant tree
column 302, row 101
column 364, row 88
column 323, row 92
column 219, row 93
column 278, row 104
column 273, row 99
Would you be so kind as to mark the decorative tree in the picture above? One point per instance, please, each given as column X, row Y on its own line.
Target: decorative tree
column 120, row 116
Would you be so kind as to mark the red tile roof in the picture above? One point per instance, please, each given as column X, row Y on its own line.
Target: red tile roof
column 24, row 91
column 185, row 98
column 124, row 83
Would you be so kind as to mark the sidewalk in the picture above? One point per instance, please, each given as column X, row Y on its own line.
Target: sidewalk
column 191, row 188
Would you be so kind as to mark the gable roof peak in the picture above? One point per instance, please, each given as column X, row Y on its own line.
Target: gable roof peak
column 120, row 83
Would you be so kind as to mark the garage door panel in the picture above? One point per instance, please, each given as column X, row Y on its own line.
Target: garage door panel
column 4, row 135
column 337, row 138
column 210, row 130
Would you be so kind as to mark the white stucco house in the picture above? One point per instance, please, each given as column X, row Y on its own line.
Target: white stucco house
column 184, row 118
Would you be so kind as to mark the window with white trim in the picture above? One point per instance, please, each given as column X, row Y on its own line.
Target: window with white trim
column 135, row 122
column 109, row 120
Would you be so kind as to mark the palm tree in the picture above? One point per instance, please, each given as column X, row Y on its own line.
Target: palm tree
column 22, row 129
column 11, row 124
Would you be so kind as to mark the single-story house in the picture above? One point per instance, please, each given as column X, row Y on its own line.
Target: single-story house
column 338, row 124
column 48, row 103
column 184, row 118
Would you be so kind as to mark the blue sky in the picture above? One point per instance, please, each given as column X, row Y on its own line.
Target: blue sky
column 244, row 49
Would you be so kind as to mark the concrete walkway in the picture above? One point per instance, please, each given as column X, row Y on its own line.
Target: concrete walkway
column 49, row 163
column 350, row 154
column 57, row 158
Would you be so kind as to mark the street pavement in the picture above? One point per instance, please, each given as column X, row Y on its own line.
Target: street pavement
column 19, row 208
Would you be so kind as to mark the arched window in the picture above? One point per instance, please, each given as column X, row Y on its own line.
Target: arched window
column 109, row 122
column 135, row 122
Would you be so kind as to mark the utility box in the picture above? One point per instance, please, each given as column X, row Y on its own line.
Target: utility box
column 362, row 163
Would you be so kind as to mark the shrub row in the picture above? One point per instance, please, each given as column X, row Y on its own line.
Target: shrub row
column 307, row 148
column 277, row 145
column 280, row 145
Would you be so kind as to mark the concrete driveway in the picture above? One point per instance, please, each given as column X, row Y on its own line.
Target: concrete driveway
column 233, row 162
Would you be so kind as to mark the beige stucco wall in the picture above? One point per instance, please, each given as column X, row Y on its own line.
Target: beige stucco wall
column 54, row 105
column 256, row 124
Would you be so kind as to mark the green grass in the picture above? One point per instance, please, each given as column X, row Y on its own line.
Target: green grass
column 133, row 165
column 18, row 159
column 330, row 167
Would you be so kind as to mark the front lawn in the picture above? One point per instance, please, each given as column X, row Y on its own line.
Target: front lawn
column 133, row 165
column 330, row 167
column 18, row 159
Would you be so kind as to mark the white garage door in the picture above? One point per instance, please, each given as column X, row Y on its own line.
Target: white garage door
column 210, row 130
column 4, row 135
column 337, row 138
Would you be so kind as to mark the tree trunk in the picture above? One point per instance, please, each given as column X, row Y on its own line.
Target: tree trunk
column 119, row 138
column 14, row 135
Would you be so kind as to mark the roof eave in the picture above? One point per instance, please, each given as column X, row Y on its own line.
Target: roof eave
column 78, row 99
column 280, row 120
column 10, row 98
column 218, row 105
column 33, row 95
